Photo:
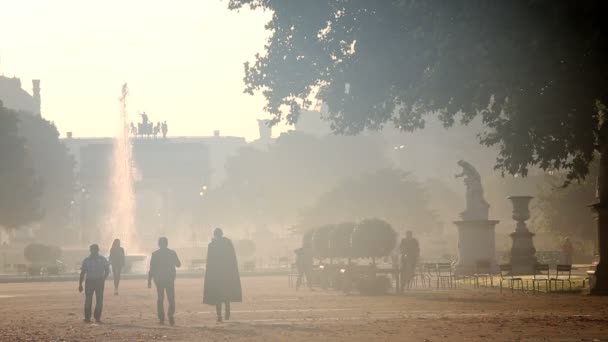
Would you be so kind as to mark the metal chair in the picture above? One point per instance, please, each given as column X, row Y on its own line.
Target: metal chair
column 506, row 274
column 483, row 270
column 426, row 271
column 445, row 276
column 562, row 275
column 540, row 277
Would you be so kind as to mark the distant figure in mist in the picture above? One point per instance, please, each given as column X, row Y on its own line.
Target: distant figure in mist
column 567, row 251
column 222, row 280
column 164, row 129
column 304, row 263
column 162, row 270
column 117, row 260
column 95, row 269
column 410, row 251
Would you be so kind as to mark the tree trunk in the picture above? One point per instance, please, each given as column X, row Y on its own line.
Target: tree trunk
column 600, row 286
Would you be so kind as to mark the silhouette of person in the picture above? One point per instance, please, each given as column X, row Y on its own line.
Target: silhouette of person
column 117, row 260
column 567, row 251
column 162, row 270
column 222, row 280
column 410, row 251
column 156, row 129
column 96, row 269
column 164, row 129
column 304, row 263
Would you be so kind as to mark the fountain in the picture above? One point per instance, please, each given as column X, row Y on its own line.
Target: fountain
column 120, row 223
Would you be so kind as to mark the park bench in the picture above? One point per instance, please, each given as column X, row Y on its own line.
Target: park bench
column 542, row 274
column 562, row 275
column 506, row 274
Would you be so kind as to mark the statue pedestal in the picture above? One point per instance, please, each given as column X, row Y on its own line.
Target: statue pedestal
column 523, row 257
column 476, row 242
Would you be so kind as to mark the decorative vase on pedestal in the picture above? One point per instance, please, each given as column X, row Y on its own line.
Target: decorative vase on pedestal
column 523, row 257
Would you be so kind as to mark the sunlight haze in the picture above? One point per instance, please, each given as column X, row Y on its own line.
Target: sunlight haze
column 183, row 62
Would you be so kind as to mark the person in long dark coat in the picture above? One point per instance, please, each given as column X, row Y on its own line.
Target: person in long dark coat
column 222, row 280
column 117, row 260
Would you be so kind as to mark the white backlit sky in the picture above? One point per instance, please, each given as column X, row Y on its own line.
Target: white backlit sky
column 183, row 61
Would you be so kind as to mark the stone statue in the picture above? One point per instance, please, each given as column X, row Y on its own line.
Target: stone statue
column 477, row 207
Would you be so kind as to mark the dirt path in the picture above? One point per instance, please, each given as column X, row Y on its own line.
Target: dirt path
column 273, row 312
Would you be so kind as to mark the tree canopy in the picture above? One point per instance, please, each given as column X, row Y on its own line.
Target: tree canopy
column 389, row 194
column 271, row 186
column 20, row 189
column 54, row 166
column 534, row 70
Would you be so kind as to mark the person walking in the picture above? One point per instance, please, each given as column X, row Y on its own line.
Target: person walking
column 410, row 251
column 117, row 260
column 162, row 270
column 304, row 263
column 222, row 280
column 567, row 251
column 95, row 269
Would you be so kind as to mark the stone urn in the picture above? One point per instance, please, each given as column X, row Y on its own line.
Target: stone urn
column 523, row 257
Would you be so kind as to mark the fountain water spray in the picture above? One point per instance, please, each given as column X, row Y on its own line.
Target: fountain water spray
column 121, row 219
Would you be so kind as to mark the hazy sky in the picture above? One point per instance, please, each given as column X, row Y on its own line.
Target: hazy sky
column 183, row 61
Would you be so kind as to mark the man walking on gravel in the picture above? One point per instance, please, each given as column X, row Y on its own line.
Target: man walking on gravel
column 162, row 270
column 96, row 269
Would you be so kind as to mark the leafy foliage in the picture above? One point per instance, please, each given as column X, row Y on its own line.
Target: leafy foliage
column 320, row 241
column 373, row 238
column 20, row 189
column 389, row 194
column 534, row 70
column 561, row 209
column 272, row 186
column 53, row 165
column 340, row 240
column 41, row 254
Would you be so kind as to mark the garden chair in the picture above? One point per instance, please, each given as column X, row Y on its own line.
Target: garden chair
column 426, row 273
column 506, row 274
column 445, row 276
column 542, row 274
column 483, row 270
column 562, row 275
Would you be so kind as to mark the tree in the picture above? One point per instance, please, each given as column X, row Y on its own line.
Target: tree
column 373, row 238
column 340, row 240
column 260, row 184
column 388, row 194
column 20, row 189
column 41, row 254
column 534, row 70
column 320, row 241
column 54, row 166
column 561, row 212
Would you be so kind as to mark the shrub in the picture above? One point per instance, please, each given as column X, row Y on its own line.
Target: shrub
column 41, row 254
column 373, row 238
column 307, row 238
column 320, row 241
column 340, row 240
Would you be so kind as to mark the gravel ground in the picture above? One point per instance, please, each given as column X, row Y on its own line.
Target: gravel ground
column 273, row 312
